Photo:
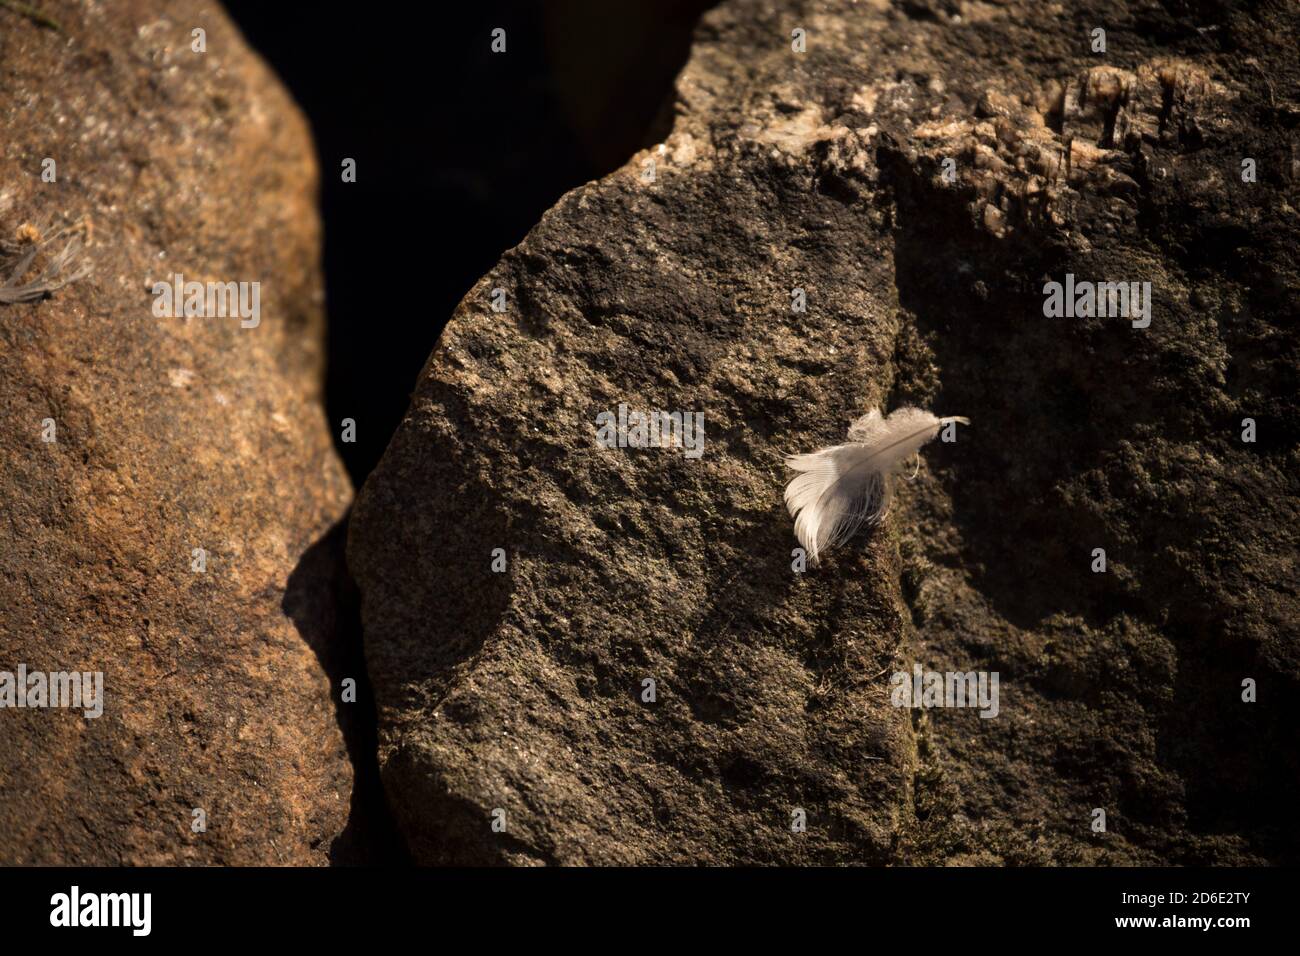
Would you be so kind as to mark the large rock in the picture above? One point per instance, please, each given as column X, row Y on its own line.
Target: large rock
column 517, row 697
column 171, row 434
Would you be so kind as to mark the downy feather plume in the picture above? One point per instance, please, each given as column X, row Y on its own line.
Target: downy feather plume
column 839, row 489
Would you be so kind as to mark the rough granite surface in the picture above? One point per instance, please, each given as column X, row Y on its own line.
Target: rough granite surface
column 522, row 691
column 171, row 434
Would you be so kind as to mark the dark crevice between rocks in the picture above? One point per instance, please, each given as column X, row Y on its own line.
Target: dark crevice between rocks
column 322, row 602
column 458, row 155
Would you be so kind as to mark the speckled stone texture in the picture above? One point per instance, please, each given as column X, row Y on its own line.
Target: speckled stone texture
column 172, row 434
column 522, row 691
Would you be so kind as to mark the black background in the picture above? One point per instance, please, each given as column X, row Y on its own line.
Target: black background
column 905, row 909
column 459, row 151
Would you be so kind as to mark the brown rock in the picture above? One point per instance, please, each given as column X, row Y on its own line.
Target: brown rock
column 172, row 434
column 521, row 691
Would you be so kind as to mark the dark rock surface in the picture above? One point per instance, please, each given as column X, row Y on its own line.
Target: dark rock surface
column 172, row 434
column 521, row 691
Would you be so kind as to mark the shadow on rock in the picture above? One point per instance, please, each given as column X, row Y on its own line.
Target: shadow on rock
column 321, row 600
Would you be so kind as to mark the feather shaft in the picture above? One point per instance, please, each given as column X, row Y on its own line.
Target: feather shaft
column 838, row 489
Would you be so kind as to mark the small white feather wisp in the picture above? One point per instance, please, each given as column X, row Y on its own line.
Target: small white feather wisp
column 841, row 488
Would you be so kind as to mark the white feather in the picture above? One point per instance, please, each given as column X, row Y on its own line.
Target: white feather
column 839, row 489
